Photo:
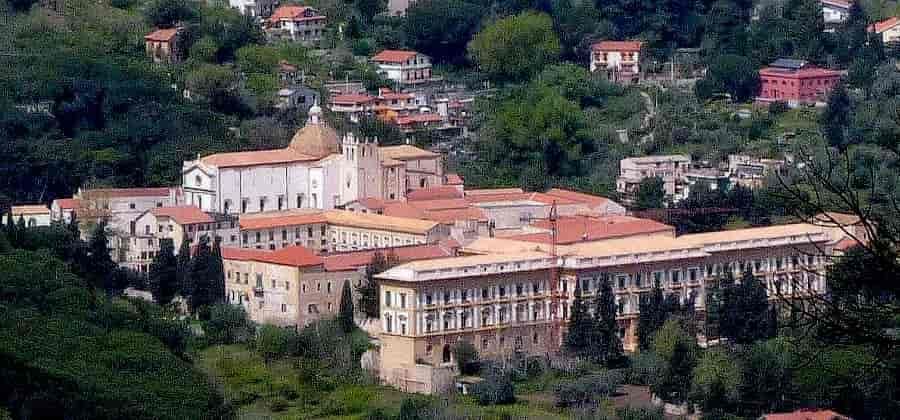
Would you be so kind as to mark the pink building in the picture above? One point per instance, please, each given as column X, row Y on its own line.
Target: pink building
column 795, row 82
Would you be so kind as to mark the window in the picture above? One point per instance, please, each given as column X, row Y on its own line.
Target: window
column 280, row 202
column 283, row 308
column 330, row 307
column 245, row 237
column 328, row 287
column 258, row 237
column 259, row 281
column 485, row 293
column 387, row 298
column 271, row 235
column 131, row 206
column 262, row 204
column 403, row 300
column 299, row 201
column 273, row 283
column 283, row 234
column 146, row 229
column 243, row 206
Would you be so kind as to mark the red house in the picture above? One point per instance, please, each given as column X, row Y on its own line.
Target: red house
column 795, row 82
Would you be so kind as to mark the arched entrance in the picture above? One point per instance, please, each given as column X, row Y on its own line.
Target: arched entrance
column 447, row 354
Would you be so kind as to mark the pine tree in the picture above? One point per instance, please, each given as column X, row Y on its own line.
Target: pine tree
column 183, row 271
column 346, row 313
column 652, row 316
column 11, row 230
column 746, row 316
column 164, row 273
column 99, row 266
column 609, row 347
column 581, row 336
column 368, row 291
column 217, row 273
column 200, row 276
column 836, row 118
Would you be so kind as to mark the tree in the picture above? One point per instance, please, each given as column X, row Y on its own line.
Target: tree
column 21, row 5
column 581, row 335
column 497, row 49
column 164, row 273
column 609, row 347
column 230, row 30
column 651, row 194
column 368, row 9
column 201, row 275
column 651, row 316
column 273, row 342
column 228, row 324
column 217, row 273
column 168, row 13
column 466, row 356
column 183, row 269
column 442, row 28
column 678, row 351
column 716, row 382
column 11, row 232
column 100, row 266
column 746, row 316
column 835, row 120
column 731, row 74
column 496, row 388
column 345, row 316
column 368, row 291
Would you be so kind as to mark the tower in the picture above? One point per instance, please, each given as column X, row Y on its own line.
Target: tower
column 361, row 175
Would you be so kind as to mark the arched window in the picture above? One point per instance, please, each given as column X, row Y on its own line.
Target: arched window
column 198, row 181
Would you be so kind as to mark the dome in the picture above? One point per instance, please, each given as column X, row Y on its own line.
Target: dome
column 315, row 138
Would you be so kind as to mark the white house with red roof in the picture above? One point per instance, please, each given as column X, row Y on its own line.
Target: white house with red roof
column 353, row 105
column 162, row 45
column 619, row 60
column 296, row 23
column 835, row 11
column 889, row 29
column 404, row 67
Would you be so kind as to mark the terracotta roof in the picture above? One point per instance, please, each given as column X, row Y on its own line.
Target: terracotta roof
column 162, row 35
column 276, row 220
column 494, row 191
column 617, row 46
column 845, row 244
column 294, row 13
column 591, row 200
column 403, row 209
column 440, row 204
column 442, row 192
column 183, row 214
column 371, row 203
column 395, row 95
column 344, row 261
column 806, row 71
column 419, row 118
column 68, row 203
column 806, row 415
column 293, row 256
column 405, row 152
column 315, row 139
column 453, row 215
column 394, row 56
column 454, row 179
column 128, row 192
column 879, row 27
column 835, row 219
column 258, row 157
column 26, row 209
column 574, row 229
column 519, row 196
column 351, row 99
column 837, row 3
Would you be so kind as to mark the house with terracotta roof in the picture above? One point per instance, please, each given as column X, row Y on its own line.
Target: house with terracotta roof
column 795, row 82
column 296, row 23
column 32, row 214
column 618, row 60
column 404, row 67
column 575, row 229
column 317, row 170
column 889, row 29
column 162, row 45
column 353, row 105
column 64, row 209
column 178, row 224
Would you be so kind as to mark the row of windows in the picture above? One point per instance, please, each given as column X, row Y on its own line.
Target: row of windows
column 280, row 203
column 815, row 82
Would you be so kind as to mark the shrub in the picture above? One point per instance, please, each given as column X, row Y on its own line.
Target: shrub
column 589, row 389
column 278, row 405
column 275, row 342
column 228, row 324
column 777, row 108
column 644, row 367
column 497, row 388
column 466, row 358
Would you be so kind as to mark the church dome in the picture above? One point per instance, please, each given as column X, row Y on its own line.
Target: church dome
column 315, row 138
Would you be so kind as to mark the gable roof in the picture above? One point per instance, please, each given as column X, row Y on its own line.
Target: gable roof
column 339, row 218
column 128, row 192
column 573, row 229
column 162, row 35
column 183, row 215
column 591, row 200
column 257, row 157
column 405, row 152
column 29, row 209
column 617, row 46
column 443, row 192
column 806, row 415
column 879, row 27
column 843, row 4
column 293, row 256
column 394, row 56
column 294, row 13
column 67, row 203
column 351, row 99
column 269, row 220
column 343, row 261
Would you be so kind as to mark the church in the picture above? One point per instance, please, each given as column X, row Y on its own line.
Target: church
column 317, row 170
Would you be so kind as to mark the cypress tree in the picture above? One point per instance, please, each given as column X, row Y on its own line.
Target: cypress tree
column 746, row 316
column 368, row 291
column 580, row 337
column 183, row 271
column 609, row 346
column 217, row 273
column 200, row 276
column 345, row 316
column 11, row 230
column 99, row 265
column 651, row 317
column 164, row 273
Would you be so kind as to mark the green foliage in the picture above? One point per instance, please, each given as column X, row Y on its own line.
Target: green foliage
column 716, row 382
column 609, row 348
column 497, row 49
column 745, row 314
column 230, row 30
column 274, row 342
column 651, row 194
column 581, row 335
column 228, row 324
column 368, row 300
column 645, row 367
column 442, row 28
column 497, row 388
column 466, row 356
column 346, row 312
column 100, row 266
column 835, row 120
column 731, row 74
column 168, row 13
column 589, row 389
column 678, row 350
column 164, row 273
column 651, row 316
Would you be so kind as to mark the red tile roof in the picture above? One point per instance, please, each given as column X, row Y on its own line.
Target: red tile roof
column 806, row 415
column 617, row 46
column 590, row 200
column 371, row 203
column 68, row 203
column 573, row 229
column 184, row 215
column 162, row 35
column 805, row 72
column 440, row 204
column 403, row 209
column 845, row 244
column 257, row 157
column 293, row 256
column 482, row 191
column 344, row 261
column 129, row 192
column 294, row 13
column 419, row 118
column 273, row 221
column 884, row 25
column 447, row 216
column 351, row 99
column 394, row 56
column 434, row 193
